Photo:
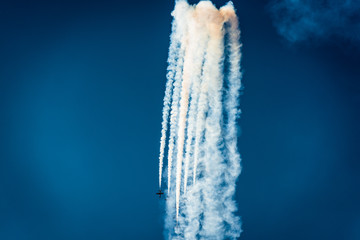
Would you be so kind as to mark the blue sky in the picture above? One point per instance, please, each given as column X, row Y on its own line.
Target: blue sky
column 81, row 88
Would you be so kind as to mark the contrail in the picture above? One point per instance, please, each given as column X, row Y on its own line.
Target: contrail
column 213, row 164
column 173, row 49
column 203, row 84
column 231, row 106
column 184, row 103
column 181, row 32
column 199, row 44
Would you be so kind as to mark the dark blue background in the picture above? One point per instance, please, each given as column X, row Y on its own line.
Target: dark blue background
column 81, row 88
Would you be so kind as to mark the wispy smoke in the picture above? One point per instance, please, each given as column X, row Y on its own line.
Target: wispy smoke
column 302, row 20
column 203, row 115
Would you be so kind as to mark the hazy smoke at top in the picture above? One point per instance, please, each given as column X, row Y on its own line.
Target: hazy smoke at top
column 303, row 20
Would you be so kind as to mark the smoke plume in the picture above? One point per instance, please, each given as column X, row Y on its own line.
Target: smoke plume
column 201, row 107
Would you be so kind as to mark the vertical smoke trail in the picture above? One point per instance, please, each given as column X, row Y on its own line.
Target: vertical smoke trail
column 192, row 206
column 184, row 102
column 180, row 10
column 205, row 14
column 231, row 106
column 202, row 122
column 200, row 126
column 199, row 39
column 212, row 223
column 173, row 49
column 173, row 118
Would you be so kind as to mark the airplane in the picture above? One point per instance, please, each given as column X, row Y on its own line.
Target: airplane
column 159, row 193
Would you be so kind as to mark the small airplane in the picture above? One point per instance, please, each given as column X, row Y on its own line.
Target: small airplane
column 159, row 193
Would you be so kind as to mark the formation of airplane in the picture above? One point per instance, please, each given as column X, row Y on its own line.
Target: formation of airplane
column 159, row 193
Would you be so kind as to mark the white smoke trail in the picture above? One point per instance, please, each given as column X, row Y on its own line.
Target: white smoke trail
column 231, row 108
column 203, row 119
column 206, row 12
column 193, row 207
column 173, row 49
column 188, row 75
column 173, row 118
column 180, row 10
column 199, row 38
column 212, row 224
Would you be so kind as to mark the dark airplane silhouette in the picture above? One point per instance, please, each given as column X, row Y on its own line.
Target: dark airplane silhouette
column 160, row 193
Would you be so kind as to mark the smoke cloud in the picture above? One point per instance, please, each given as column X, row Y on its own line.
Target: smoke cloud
column 303, row 20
